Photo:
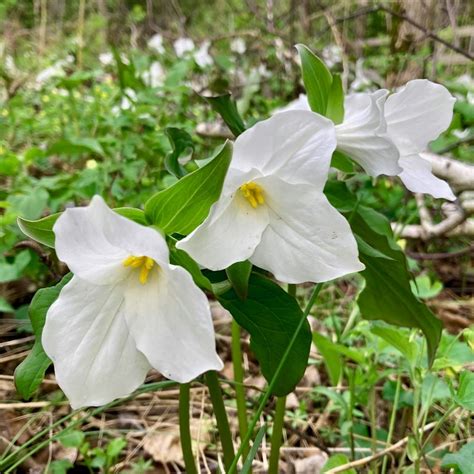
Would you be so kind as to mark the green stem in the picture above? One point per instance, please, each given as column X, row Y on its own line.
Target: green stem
column 393, row 417
column 239, row 385
column 221, row 417
column 274, row 380
column 373, row 427
column 184, row 429
column 277, row 435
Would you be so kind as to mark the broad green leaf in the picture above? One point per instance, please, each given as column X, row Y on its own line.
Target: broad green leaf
column 183, row 148
column 337, row 460
column 115, row 447
column 317, row 79
column 226, row 108
column 342, row 162
column 72, row 438
column 41, row 230
column 184, row 205
column 5, row 306
column 332, row 359
column 387, row 295
column 75, row 146
column 13, row 271
column 465, row 394
column 335, row 107
column 30, row 373
column 433, row 389
column 271, row 316
column 462, row 462
column 127, row 75
column 30, row 205
column 398, row 340
column 181, row 258
column 239, row 274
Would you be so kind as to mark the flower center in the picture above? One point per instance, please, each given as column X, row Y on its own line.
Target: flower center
column 253, row 193
column 145, row 264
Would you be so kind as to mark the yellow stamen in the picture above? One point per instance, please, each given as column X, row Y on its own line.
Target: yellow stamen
column 145, row 264
column 253, row 193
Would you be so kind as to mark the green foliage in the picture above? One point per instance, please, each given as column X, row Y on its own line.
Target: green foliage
column 239, row 274
column 271, row 316
column 337, row 460
column 30, row 373
column 335, row 106
column 317, row 81
column 226, row 108
column 462, row 461
column 183, row 206
column 183, row 148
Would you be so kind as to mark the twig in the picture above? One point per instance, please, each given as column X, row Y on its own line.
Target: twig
column 369, row 459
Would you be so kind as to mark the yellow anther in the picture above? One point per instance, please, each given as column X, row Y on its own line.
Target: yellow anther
column 253, row 193
column 145, row 264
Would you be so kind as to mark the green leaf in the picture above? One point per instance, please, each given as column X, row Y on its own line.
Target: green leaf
column 465, row 394
column 181, row 258
column 60, row 466
column 72, row 438
column 226, row 108
column 398, row 340
column 317, row 79
column 5, row 306
column 332, row 359
column 337, row 460
column 342, row 162
column 335, row 107
column 75, row 146
column 183, row 148
column 115, row 447
column 184, row 205
column 239, row 274
column 271, row 316
column 247, row 467
column 41, row 230
column 387, row 295
column 462, row 461
column 30, row 373
column 13, row 271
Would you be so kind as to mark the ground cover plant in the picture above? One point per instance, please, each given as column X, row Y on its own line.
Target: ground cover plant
column 241, row 252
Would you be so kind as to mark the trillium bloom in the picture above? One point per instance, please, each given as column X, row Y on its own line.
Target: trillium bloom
column 415, row 116
column 363, row 133
column 126, row 310
column 202, row 56
column 183, row 46
column 156, row 43
column 387, row 134
column 272, row 209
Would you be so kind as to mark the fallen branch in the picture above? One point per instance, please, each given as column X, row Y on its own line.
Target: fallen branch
column 373, row 457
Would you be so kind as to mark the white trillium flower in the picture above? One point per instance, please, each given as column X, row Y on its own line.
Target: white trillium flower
column 415, row 116
column 183, row 46
column 156, row 43
column 362, row 135
column 272, row 209
column 106, row 59
column 202, row 56
column 237, row 45
column 155, row 76
column 126, row 310
column 386, row 134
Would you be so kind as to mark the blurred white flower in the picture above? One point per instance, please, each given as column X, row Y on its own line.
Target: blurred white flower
column 263, row 71
column 361, row 80
column 106, row 59
column 332, row 55
column 56, row 70
column 10, row 65
column 272, row 209
column 129, row 99
column 237, row 45
column 126, row 310
column 156, row 43
column 155, row 76
column 202, row 57
column 183, row 46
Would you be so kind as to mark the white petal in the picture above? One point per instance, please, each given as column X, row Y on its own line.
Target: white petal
column 418, row 178
column 307, row 239
column 417, row 114
column 301, row 103
column 362, row 134
column 87, row 338
column 171, row 322
column 295, row 145
column 94, row 240
column 230, row 233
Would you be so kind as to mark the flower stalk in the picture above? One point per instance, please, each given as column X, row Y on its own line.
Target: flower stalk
column 185, row 429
